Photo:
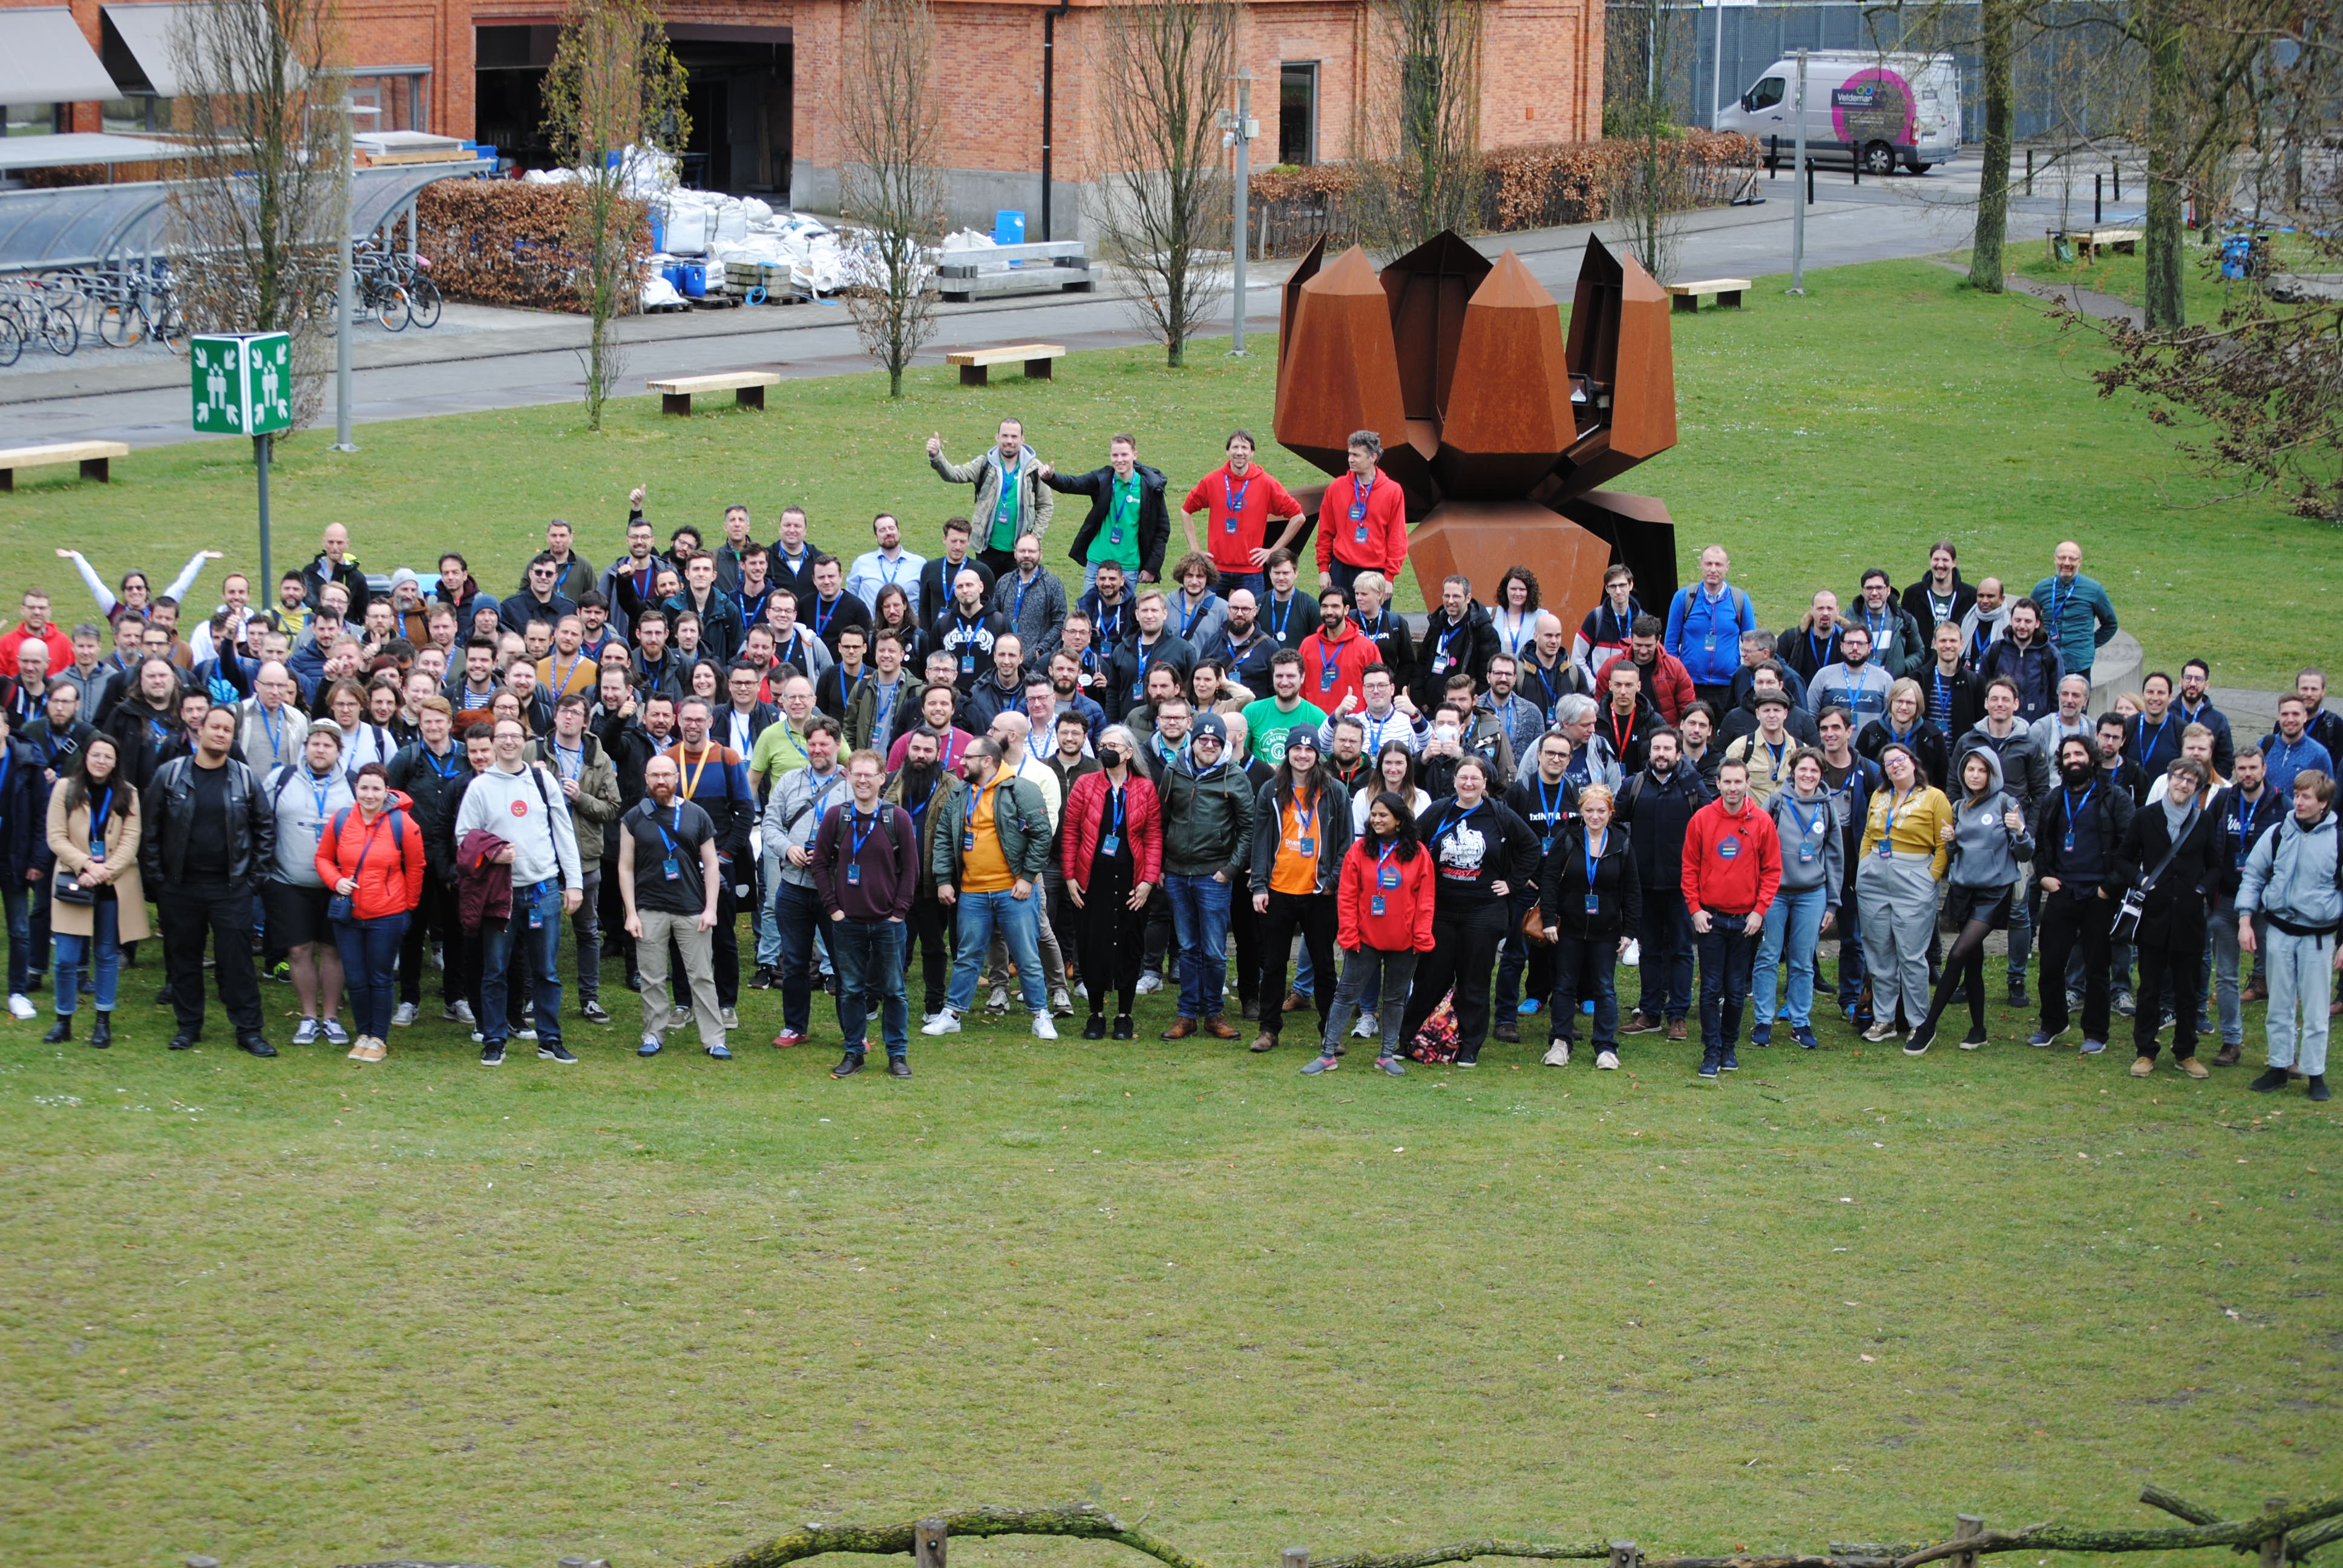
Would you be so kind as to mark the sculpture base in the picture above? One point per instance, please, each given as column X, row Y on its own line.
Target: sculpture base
column 1640, row 533
column 1479, row 539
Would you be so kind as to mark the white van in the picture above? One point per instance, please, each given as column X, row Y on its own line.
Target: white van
column 1882, row 109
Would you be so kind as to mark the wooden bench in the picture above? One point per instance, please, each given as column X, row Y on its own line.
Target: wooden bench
column 748, row 386
column 976, row 364
column 1728, row 292
column 2088, row 242
column 92, row 456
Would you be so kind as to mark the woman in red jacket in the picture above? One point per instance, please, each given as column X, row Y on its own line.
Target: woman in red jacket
column 371, row 855
column 1383, row 902
column 1110, row 845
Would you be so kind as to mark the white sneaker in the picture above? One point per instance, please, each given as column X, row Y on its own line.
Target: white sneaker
column 458, row 1011
column 731, row 1018
column 944, row 1022
column 1044, row 1027
column 1082, row 989
column 335, row 1033
column 927, row 1017
column 404, row 1017
column 1060, row 1003
column 1608, row 1060
column 1558, row 1054
column 679, row 1018
column 1367, row 1027
column 21, row 1006
column 304, row 1033
column 1149, row 983
column 999, row 1002
column 1883, row 1030
column 525, row 1034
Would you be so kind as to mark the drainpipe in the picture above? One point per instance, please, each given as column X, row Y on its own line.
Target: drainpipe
column 1049, row 100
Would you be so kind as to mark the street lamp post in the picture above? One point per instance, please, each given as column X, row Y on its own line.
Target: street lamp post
column 346, row 282
column 1798, row 197
column 1240, row 128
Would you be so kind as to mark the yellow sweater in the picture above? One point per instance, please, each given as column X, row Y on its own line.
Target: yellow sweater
column 1914, row 828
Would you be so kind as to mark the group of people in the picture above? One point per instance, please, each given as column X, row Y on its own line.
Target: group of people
column 1444, row 834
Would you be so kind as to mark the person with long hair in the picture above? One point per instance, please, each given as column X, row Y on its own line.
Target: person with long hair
column 1905, row 722
column 1514, row 611
column 1395, row 774
column 1813, row 871
column 1300, row 832
column 1383, row 902
column 1111, row 847
column 371, row 853
column 1591, row 902
column 1988, row 835
column 93, row 827
column 1904, row 853
column 1480, row 852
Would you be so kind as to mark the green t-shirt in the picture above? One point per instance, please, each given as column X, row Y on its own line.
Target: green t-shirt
column 1266, row 726
column 1006, row 505
column 1117, row 538
column 778, row 751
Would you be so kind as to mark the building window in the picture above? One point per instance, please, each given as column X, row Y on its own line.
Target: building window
column 141, row 115
column 396, row 97
column 1297, row 112
column 31, row 119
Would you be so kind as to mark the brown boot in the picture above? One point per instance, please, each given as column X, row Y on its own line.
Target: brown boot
column 1677, row 1029
column 1295, row 1001
column 2254, row 992
column 1264, row 1041
column 1181, row 1030
column 1219, row 1028
column 2228, row 1056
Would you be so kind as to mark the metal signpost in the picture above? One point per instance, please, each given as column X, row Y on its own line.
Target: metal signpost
column 242, row 384
column 1239, row 130
column 1798, row 168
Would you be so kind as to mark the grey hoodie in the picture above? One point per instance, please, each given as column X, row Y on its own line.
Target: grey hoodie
column 2291, row 874
column 1985, row 851
column 1809, row 859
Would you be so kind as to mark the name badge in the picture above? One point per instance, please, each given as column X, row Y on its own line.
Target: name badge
column 1326, row 679
column 1375, row 905
column 967, row 840
column 1710, row 645
column 1114, row 538
column 1229, row 526
column 853, row 874
column 1387, row 877
column 536, row 916
column 1886, row 849
column 1593, row 903
column 1306, row 845
column 968, row 664
column 1359, row 535
column 1439, row 664
column 673, row 873
column 1806, row 854
column 1110, row 845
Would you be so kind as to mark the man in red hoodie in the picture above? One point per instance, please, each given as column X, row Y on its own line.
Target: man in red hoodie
column 1732, row 869
column 1240, row 503
column 1335, row 657
column 1363, row 521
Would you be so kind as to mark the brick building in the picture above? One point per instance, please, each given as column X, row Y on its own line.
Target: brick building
column 766, row 75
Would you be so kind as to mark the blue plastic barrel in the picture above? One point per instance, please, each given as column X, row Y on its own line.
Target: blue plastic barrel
column 695, row 280
column 1008, row 228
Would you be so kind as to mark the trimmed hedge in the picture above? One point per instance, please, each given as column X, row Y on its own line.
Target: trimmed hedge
column 505, row 242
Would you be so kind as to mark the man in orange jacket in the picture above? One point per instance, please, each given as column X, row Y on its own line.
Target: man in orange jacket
column 1363, row 521
column 1732, row 869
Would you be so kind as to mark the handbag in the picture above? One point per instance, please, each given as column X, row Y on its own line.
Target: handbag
column 342, row 906
column 1533, row 925
column 2124, row 927
column 69, row 890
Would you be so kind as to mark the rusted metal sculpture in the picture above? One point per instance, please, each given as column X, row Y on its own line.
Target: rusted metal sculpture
column 1498, row 429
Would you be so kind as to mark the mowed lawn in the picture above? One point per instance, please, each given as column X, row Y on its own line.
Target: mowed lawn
column 1889, row 409
column 304, row 1313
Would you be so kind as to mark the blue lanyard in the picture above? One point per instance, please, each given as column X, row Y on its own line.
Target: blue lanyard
column 1018, row 613
column 1114, row 800
column 1877, row 627
column 2146, row 745
column 561, row 677
column 1777, row 753
column 271, row 726
column 1359, row 496
column 1808, row 829
column 1233, row 497
column 1277, row 622
column 1621, row 624
column 665, row 837
column 1453, row 820
column 1546, row 682
column 1383, row 858
column 569, row 769
column 1445, row 638
column 450, row 770
column 1943, row 696
column 1112, row 629
column 1817, row 651
column 1304, row 820
column 98, row 812
column 320, row 793
column 858, row 834
column 1188, row 616
column 2073, row 806
column 820, row 621
column 2058, row 603
column 888, row 569
column 1549, row 810
column 1979, row 640
column 1595, row 855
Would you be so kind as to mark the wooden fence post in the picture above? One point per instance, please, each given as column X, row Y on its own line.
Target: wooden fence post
column 1968, row 1527
column 928, row 1543
column 1294, row 1557
column 2273, row 1550
column 1626, row 1554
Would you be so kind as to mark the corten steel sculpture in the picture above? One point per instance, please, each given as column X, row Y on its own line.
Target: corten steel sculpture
column 1497, row 430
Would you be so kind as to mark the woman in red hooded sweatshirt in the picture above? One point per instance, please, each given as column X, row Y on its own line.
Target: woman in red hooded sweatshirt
column 371, row 855
column 1383, row 904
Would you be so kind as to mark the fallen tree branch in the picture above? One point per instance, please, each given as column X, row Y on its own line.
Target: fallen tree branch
column 2079, row 1538
column 1463, row 1552
column 1084, row 1521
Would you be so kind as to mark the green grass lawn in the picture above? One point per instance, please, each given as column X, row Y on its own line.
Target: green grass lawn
column 2206, row 292
column 1891, row 407
column 300, row 1312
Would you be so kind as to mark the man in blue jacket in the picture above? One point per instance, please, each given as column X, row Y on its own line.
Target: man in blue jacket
column 1705, row 622
column 2076, row 610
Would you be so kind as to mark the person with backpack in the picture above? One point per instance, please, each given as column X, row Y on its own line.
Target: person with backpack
column 1301, row 828
column 1384, row 904
column 866, row 869
column 303, row 797
column 371, row 855
column 2174, row 850
column 1480, row 852
column 1591, row 902
column 2289, row 904
column 1989, row 837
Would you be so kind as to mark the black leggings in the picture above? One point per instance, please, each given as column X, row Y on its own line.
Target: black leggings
column 1964, row 968
column 1464, row 953
column 1111, row 937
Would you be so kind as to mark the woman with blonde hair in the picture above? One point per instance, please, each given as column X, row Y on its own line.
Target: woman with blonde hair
column 1904, row 849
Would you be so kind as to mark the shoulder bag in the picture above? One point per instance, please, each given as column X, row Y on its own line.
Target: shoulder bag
column 2126, row 925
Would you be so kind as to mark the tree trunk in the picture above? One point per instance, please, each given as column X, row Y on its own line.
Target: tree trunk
column 1997, row 22
column 2164, row 35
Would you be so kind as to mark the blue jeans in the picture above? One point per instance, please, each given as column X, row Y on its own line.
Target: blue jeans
column 1794, row 923
column 2021, row 932
column 797, row 911
column 1666, row 957
column 1362, row 968
column 17, row 897
column 370, row 970
column 869, row 955
column 513, row 954
column 1200, row 918
column 769, row 929
column 1231, row 581
column 104, row 914
column 1725, row 954
column 1019, row 922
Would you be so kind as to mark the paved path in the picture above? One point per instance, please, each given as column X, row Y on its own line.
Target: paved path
column 482, row 358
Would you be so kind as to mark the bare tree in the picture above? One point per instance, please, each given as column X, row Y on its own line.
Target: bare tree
column 1162, row 68
column 892, row 189
column 1421, row 170
column 1649, row 46
column 1998, row 49
column 253, row 219
column 614, row 102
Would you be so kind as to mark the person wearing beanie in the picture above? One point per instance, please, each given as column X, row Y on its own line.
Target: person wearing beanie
column 1208, row 812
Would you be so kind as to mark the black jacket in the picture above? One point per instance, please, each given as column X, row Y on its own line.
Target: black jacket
column 2115, row 809
column 1332, row 829
column 1914, row 602
column 2173, row 917
column 24, row 812
column 132, row 726
column 1927, row 742
column 2239, row 838
column 1618, row 890
column 1468, row 647
column 1154, row 516
column 1656, row 811
column 169, row 809
column 317, row 574
column 1127, row 671
column 432, row 799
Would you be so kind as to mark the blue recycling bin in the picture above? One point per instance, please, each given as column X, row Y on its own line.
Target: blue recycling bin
column 1008, row 228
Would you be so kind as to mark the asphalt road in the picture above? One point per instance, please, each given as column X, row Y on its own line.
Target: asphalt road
column 483, row 358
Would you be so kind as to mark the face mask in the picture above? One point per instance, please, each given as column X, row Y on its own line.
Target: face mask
column 1445, row 732
column 1111, row 756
